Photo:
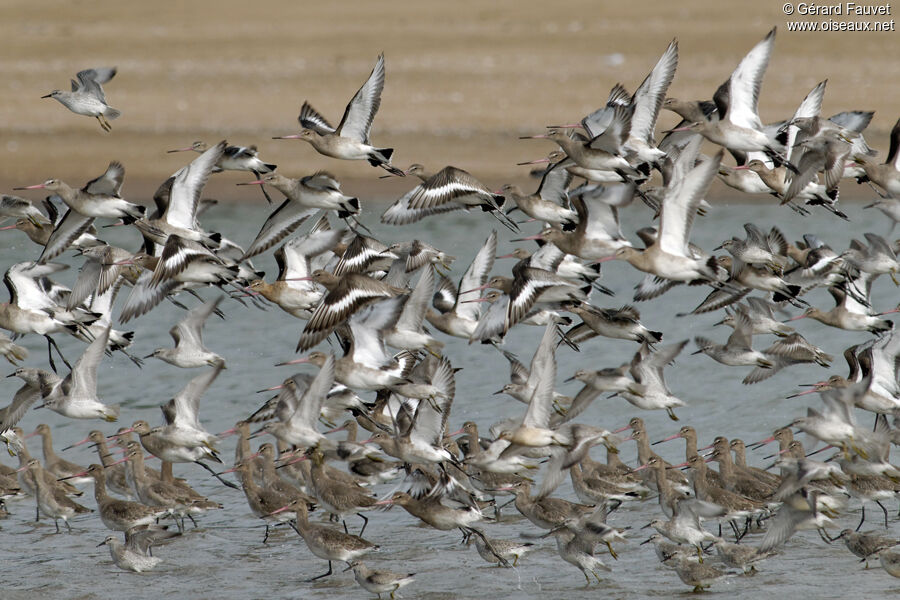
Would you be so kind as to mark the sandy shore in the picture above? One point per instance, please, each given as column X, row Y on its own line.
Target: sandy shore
column 464, row 79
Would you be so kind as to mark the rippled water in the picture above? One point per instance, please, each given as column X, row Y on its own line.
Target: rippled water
column 225, row 558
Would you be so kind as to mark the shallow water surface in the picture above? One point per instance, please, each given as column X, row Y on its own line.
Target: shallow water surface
column 225, row 558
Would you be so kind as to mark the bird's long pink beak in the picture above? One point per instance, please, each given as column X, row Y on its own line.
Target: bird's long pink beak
column 761, row 443
column 82, row 474
column 256, row 182
column 270, row 389
column 258, row 432
column 295, row 136
column 7, row 227
column 538, row 161
column 294, row 460
column 39, row 186
column 120, row 433
column 533, row 137
column 280, row 510
column 478, row 289
column 296, row 361
column 668, row 439
column 816, row 387
column 76, row 444
column 179, row 150
column 822, row 449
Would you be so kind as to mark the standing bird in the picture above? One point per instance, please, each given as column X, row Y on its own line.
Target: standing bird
column 890, row 562
column 866, row 545
column 324, row 542
column 379, row 581
column 87, row 97
column 135, row 553
column 350, row 140
column 504, row 549
column 697, row 574
column 47, row 502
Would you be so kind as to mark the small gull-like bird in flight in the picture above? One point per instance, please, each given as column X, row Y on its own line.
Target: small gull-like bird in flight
column 87, row 97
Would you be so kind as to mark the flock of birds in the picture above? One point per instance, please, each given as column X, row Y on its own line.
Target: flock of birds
column 384, row 304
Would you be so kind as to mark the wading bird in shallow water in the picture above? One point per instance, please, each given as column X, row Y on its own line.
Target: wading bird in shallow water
column 325, row 542
column 136, row 552
column 379, row 581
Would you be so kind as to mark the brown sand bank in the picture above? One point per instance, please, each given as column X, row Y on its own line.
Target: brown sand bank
column 464, row 78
